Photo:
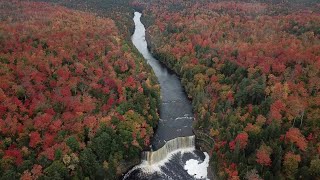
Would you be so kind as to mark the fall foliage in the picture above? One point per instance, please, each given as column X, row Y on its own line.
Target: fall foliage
column 252, row 71
column 76, row 100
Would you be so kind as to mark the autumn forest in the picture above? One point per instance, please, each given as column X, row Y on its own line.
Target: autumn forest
column 78, row 101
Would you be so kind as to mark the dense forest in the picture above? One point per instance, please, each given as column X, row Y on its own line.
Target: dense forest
column 252, row 71
column 76, row 100
column 120, row 11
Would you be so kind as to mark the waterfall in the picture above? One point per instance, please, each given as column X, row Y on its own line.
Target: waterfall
column 152, row 157
column 167, row 162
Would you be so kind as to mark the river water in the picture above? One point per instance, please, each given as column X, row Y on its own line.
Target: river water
column 176, row 119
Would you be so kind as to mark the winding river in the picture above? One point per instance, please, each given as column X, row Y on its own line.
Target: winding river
column 173, row 155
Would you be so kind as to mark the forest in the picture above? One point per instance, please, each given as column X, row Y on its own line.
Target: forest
column 76, row 99
column 120, row 11
column 252, row 72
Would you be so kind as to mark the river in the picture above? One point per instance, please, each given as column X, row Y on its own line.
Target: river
column 171, row 157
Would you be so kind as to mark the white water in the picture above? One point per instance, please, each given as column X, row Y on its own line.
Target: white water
column 152, row 161
column 153, row 157
column 196, row 169
column 148, row 167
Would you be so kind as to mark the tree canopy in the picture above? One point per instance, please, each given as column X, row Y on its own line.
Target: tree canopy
column 76, row 99
column 252, row 71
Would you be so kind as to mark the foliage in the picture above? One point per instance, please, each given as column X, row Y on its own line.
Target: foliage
column 252, row 71
column 118, row 10
column 69, row 86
